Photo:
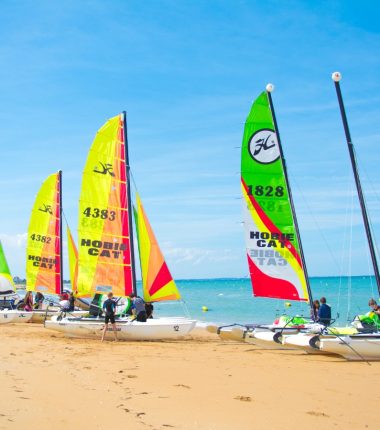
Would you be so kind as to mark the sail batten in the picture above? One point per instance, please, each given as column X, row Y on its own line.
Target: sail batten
column 274, row 252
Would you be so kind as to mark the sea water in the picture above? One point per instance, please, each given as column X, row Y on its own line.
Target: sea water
column 231, row 300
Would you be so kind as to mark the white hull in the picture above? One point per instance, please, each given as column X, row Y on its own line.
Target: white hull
column 13, row 316
column 236, row 334
column 153, row 329
column 39, row 316
column 366, row 345
column 308, row 342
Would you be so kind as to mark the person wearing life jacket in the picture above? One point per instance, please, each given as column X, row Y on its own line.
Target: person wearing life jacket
column 375, row 308
column 138, row 308
column 324, row 312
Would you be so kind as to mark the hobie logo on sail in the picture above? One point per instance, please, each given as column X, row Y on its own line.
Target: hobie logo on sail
column 46, row 209
column 263, row 146
column 105, row 168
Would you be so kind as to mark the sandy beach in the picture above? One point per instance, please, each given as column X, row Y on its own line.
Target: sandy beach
column 49, row 381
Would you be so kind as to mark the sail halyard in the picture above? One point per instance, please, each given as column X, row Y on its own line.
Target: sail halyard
column 290, row 199
column 273, row 252
column 336, row 78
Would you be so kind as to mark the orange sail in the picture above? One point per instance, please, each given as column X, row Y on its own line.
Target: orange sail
column 158, row 283
column 105, row 261
column 43, row 254
column 73, row 259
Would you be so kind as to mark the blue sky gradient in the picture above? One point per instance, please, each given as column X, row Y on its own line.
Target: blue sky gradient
column 187, row 73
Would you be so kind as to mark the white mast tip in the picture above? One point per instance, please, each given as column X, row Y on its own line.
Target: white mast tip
column 336, row 76
column 269, row 88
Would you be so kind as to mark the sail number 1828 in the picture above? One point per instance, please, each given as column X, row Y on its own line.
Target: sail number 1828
column 266, row 191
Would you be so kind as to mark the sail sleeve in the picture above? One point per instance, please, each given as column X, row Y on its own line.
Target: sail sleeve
column 273, row 251
column 6, row 280
column 157, row 282
column 43, row 258
column 73, row 259
column 104, row 249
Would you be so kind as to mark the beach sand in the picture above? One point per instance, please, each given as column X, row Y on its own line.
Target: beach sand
column 52, row 382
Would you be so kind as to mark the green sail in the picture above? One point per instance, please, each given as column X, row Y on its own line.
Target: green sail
column 273, row 251
column 6, row 281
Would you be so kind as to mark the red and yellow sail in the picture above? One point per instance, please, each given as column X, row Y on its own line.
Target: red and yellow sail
column 273, row 246
column 104, row 249
column 158, row 284
column 73, row 259
column 43, row 257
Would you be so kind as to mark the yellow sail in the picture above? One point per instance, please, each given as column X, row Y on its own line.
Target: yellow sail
column 104, row 254
column 43, row 256
column 73, row 259
column 158, row 284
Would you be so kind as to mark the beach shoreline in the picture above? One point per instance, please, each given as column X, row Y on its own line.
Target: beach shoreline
column 197, row 383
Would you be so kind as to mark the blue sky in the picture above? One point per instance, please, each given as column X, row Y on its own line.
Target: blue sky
column 187, row 73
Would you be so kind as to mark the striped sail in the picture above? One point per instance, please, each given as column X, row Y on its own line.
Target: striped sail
column 73, row 259
column 157, row 282
column 104, row 250
column 6, row 281
column 273, row 250
column 43, row 257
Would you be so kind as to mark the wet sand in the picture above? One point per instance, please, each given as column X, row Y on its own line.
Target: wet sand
column 52, row 382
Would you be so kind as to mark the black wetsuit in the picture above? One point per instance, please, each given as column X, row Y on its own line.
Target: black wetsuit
column 109, row 306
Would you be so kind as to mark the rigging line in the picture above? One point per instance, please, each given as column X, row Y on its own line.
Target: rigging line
column 345, row 241
column 366, row 176
column 350, row 262
column 316, row 222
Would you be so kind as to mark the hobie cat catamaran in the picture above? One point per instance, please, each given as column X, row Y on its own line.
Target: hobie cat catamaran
column 44, row 268
column 106, row 261
column 8, row 295
column 274, row 251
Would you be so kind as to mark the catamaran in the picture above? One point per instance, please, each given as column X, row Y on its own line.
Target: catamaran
column 44, row 271
column 8, row 295
column 274, row 251
column 106, row 261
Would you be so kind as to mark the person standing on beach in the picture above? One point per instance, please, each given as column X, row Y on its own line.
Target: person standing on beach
column 138, row 308
column 109, row 307
column 324, row 312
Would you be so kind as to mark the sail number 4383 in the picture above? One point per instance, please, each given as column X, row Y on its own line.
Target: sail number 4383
column 100, row 213
column 267, row 191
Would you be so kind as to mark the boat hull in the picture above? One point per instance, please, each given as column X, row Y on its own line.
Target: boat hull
column 367, row 347
column 153, row 329
column 39, row 316
column 13, row 316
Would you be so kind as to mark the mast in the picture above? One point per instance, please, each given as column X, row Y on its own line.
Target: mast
column 60, row 231
column 336, row 77
column 269, row 89
column 127, row 169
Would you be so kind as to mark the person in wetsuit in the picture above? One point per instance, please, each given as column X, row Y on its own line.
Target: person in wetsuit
column 109, row 308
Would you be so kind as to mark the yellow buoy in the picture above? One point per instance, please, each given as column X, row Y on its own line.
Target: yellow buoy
column 288, row 305
column 204, row 308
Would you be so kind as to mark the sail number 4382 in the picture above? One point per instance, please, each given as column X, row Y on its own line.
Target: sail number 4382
column 100, row 213
column 40, row 238
column 267, row 191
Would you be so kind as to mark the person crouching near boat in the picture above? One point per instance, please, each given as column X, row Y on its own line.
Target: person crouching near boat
column 138, row 308
column 109, row 308
column 375, row 308
column 28, row 300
